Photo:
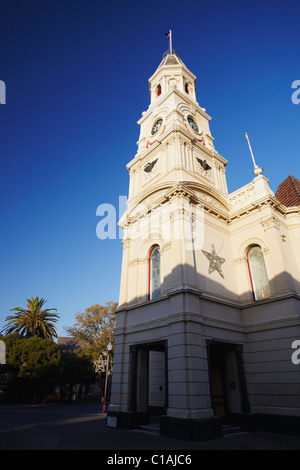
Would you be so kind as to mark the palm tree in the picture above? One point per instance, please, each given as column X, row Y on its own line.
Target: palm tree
column 32, row 321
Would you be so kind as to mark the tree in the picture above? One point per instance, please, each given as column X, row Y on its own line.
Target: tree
column 93, row 329
column 32, row 321
column 33, row 367
column 76, row 370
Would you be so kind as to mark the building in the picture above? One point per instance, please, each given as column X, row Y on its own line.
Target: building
column 210, row 287
column 67, row 343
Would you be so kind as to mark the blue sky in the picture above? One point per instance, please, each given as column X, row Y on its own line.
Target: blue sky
column 76, row 75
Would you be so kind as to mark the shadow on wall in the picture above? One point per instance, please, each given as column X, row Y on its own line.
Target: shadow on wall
column 285, row 290
column 184, row 317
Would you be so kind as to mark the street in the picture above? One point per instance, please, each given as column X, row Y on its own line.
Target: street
column 83, row 427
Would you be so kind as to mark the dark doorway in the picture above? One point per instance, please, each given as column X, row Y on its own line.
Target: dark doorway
column 149, row 385
column 227, row 385
column 218, row 382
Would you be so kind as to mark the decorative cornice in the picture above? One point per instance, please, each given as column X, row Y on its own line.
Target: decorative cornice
column 214, row 298
column 270, row 222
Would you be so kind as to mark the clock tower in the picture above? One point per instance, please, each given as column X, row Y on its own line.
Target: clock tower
column 175, row 171
column 201, row 271
column 175, row 140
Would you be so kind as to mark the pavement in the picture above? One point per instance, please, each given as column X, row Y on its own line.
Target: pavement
column 83, row 427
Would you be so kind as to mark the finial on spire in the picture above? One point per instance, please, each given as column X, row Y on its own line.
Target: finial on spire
column 257, row 170
column 169, row 36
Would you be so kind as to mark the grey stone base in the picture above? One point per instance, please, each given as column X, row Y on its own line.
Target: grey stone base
column 128, row 420
column 191, row 429
column 282, row 424
column 210, row 428
column 184, row 429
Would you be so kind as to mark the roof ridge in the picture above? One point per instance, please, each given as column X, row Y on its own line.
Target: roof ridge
column 296, row 184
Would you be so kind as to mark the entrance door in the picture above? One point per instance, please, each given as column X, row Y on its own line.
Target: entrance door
column 156, row 384
column 227, row 382
column 218, row 382
column 149, row 387
column 219, row 393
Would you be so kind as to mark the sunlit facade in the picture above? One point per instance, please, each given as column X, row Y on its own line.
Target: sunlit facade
column 210, row 286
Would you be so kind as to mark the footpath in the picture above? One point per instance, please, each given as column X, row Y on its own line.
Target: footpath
column 83, row 427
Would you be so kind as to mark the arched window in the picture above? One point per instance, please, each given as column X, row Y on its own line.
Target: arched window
column 154, row 272
column 258, row 273
column 186, row 88
column 158, row 90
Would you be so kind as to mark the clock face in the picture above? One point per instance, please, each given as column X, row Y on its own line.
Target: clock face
column 156, row 126
column 193, row 124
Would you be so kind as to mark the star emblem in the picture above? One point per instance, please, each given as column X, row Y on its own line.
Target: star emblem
column 100, row 365
column 215, row 261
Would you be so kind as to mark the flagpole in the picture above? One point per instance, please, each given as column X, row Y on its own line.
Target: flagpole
column 257, row 170
column 250, row 150
column 171, row 42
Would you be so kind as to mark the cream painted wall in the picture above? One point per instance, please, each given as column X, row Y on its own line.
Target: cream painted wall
column 176, row 198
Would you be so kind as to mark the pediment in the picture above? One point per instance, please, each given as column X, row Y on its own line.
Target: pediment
column 209, row 196
column 196, row 193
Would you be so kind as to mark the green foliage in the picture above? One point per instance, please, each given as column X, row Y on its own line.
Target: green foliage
column 33, row 366
column 37, row 357
column 32, row 321
column 93, row 329
column 76, row 369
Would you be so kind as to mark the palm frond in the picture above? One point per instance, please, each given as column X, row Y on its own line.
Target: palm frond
column 32, row 321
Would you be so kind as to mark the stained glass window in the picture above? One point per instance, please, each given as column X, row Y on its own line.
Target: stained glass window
column 258, row 273
column 154, row 274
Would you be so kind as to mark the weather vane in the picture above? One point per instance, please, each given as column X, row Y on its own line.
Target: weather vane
column 169, row 36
